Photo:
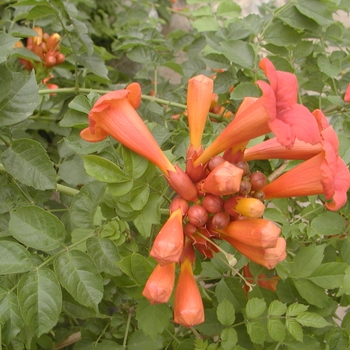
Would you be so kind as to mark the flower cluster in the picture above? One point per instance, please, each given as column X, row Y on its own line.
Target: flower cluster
column 218, row 197
column 45, row 46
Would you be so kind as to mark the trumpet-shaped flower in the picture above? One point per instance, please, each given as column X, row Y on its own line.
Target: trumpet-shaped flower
column 262, row 280
column 168, row 245
column 160, row 284
column 199, row 96
column 188, row 305
column 347, row 94
column 253, row 232
column 293, row 120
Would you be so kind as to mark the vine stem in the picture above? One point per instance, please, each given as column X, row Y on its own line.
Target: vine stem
column 127, row 330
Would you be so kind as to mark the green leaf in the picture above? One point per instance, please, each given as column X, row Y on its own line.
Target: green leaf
column 276, row 329
column 7, row 42
column 206, row 24
column 307, row 260
column 256, row 331
column 226, row 313
column 37, row 228
column 291, row 16
column 140, row 268
column 255, row 307
column 338, row 339
column 85, row 203
column 277, row 308
column 280, row 34
column 40, row 300
column 21, row 97
column 94, row 64
column 345, row 286
column 78, row 274
column 149, row 215
column 332, row 69
column 312, row 293
column 211, row 326
column 14, row 258
column 231, row 290
column 228, row 338
column 243, row 90
column 152, row 319
column 104, row 170
column 135, row 165
column 294, row 329
column 239, row 52
column 315, row 10
column 139, row 340
column 81, row 104
column 296, row 309
column 327, row 224
column 329, row 275
column 310, row 319
column 105, row 254
column 27, row 161
column 142, row 54
column 10, row 317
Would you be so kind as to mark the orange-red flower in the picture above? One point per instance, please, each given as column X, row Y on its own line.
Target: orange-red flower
column 347, row 94
column 188, row 305
column 160, row 284
column 168, row 245
column 250, row 207
column 199, row 94
column 262, row 280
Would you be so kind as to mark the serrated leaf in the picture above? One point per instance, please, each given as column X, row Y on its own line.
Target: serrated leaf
column 291, row 16
column 312, row 293
column 80, row 103
column 78, row 274
column 7, row 42
column 256, row 331
column 14, row 258
column 138, row 340
column 152, row 319
column 142, row 54
column 104, row 170
column 315, row 10
column 37, row 228
column 10, row 317
column 280, row 34
column 226, row 313
column 85, row 203
column 328, row 224
column 276, row 329
column 140, row 268
column 239, row 52
column 105, row 254
column 27, row 161
column 307, row 260
column 329, row 275
column 231, row 290
column 243, row 90
column 21, row 98
column 94, row 64
column 206, row 24
column 345, row 285
column 310, row 319
column 40, row 300
column 255, row 307
column 135, row 165
column 228, row 338
column 332, row 69
column 296, row 309
column 294, row 329
column 277, row 308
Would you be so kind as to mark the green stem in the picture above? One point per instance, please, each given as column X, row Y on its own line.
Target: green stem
column 127, row 329
column 66, row 190
column 196, row 334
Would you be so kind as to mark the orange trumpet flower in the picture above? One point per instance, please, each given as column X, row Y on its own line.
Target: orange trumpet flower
column 188, row 305
column 160, row 284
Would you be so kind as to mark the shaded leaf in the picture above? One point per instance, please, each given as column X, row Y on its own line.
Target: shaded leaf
column 276, row 329
column 255, row 307
column 225, row 313
column 310, row 319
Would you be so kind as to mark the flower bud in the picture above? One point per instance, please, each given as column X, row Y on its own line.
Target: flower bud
column 215, row 161
column 245, row 188
column 179, row 202
column 229, row 205
column 197, row 215
column 258, row 180
column 53, row 40
column 50, row 60
column 160, row 284
column 212, row 203
column 168, row 245
column 196, row 173
column 225, row 179
column 250, row 207
column 60, row 58
column 244, row 166
column 220, row 220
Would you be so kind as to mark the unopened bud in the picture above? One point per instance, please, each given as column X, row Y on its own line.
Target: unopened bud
column 212, row 203
column 220, row 220
column 258, row 180
column 250, row 207
column 179, row 202
column 50, row 61
column 60, row 58
column 53, row 40
column 214, row 162
column 245, row 188
column 244, row 166
column 229, row 205
column 232, row 261
column 259, row 195
column 197, row 215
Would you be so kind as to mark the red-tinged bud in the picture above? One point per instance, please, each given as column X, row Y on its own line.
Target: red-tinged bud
column 220, row 221
column 29, row 44
column 168, row 245
column 38, row 39
column 199, row 188
column 53, row 40
column 215, row 161
column 188, row 305
column 259, row 195
column 244, row 166
column 182, row 184
column 50, row 61
column 179, row 202
column 196, row 173
column 44, row 47
column 229, row 206
column 189, row 230
column 160, row 284
column 37, row 49
column 46, row 37
column 245, row 188
column 225, row 179
column 250, row 207
column 258, row 180
column 60, row 58
column 197, row 215
column 213, row 204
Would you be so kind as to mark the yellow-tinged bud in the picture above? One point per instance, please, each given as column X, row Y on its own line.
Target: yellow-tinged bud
column 250, row 207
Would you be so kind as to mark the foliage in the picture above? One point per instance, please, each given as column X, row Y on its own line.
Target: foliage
column 77, row 219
